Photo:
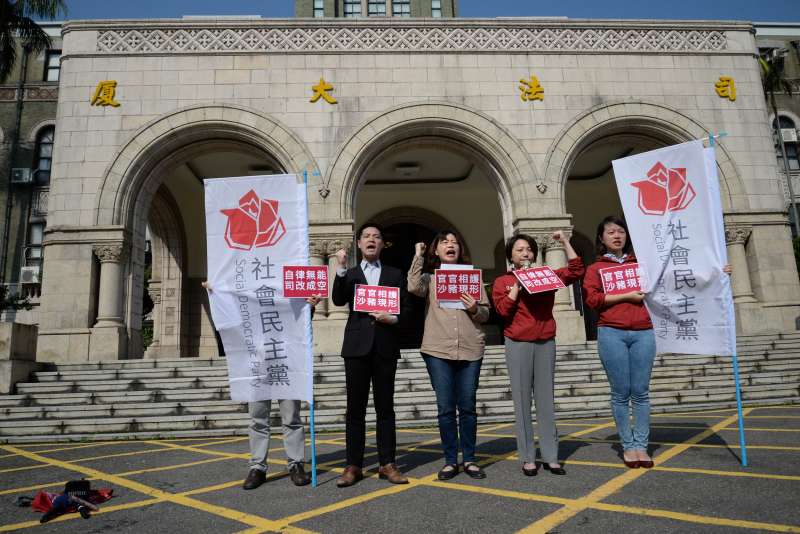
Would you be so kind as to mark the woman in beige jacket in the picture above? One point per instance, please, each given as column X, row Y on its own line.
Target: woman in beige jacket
column 452, row 347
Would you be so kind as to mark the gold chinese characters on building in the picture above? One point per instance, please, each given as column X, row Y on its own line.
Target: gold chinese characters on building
column 726, row 88
column 104, row 94
column 531, row 89
column 321, row 91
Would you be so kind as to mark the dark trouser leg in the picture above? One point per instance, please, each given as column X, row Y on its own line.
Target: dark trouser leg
column 466, row 382
column 383, row 371
column 357, row 372
column 442, row 374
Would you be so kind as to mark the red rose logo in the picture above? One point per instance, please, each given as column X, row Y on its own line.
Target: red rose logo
column 664, row 190
column 254, row 223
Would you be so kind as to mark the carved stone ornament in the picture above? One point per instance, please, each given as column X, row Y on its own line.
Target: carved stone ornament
column 318, row 247
column 337, row 244
column 491, row 36
column 737, row 235
column 110, row 252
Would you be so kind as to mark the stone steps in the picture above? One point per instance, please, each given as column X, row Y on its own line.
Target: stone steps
column 189, row 397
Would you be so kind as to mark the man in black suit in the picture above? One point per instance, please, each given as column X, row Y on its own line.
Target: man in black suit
column 370, row 351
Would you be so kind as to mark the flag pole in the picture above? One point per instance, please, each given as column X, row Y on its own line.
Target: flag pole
column 734, row 350
column 311, row 404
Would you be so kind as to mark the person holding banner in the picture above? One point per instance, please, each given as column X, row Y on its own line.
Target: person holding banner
column 530, row 331
column 452, row 347
column 294, row 437
column 370, row 350
column 626, row 343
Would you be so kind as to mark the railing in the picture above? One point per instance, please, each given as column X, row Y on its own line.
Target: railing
column 32, row 292
column 40, row 197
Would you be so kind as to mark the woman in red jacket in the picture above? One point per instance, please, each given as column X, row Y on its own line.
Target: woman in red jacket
column 530, row 332
column 625, row 342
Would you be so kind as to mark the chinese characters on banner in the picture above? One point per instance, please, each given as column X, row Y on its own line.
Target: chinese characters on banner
column 675, row 226
column 538, row 279
column 620, row 279
column 255, row 227
column 451, row 283
column 301, row 281
column 377, row 299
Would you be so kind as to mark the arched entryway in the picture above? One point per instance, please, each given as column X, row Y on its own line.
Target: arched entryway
column 582, row 156
column 156, row 183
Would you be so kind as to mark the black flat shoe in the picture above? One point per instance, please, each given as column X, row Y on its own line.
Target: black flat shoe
column 447, row 474
column 473, row 470
column 554, row 470
column 530, row 472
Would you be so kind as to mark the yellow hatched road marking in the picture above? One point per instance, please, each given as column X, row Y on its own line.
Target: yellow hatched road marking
column 235, row 515
column 612, row 486
column 23, row 468
column 693, row 445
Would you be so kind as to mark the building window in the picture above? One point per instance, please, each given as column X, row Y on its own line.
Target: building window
column 33, row 250
column 52, row 65
column 376, row 8
column 401, row 8
column 44, row 156
column 352, row 8
column 319, row 9
column 789, row 143
column 436, row 9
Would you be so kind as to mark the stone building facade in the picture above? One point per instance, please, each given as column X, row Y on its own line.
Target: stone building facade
column 28, row 100
column 488, row 126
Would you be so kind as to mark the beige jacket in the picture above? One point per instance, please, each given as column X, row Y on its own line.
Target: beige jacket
column 449, row 334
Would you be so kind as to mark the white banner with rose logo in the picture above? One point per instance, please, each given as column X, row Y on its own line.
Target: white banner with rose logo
column 254, row 226
column 674, row 217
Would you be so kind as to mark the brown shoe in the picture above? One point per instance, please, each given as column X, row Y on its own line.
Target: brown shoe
column 351, row 475
column 392, row 474
column 254, row 479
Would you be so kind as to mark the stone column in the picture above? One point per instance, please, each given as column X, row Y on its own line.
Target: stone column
column 317, row 254
column 735, row 238
column 154, row 290
column 556, row 258
column 108, row 340
column 335, row 312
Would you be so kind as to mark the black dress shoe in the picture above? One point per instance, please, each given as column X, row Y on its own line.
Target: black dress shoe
column 554, row 470
column 530, row 472
column 254, row 479
column 474, row 470
column 447, row 474
column 298, row 475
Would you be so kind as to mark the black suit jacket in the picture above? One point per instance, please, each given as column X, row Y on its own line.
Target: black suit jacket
column 362, row 331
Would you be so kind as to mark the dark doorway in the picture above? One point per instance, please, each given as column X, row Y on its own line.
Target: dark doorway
column 399, row 251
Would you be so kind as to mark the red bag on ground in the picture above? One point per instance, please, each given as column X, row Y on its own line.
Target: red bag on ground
column 43, row 502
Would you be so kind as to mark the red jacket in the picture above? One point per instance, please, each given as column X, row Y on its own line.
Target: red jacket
column 530, row 317
column 624, row 315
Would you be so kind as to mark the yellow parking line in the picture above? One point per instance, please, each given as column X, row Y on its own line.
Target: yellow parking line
column 694, row 445
column 693, row 518
column 756, row 429
column 23, row 468
column 558, row 517
column 34, row 487
column 221, row 511
column 773, row 417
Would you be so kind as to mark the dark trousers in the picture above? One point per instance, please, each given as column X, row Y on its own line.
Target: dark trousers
column 359, row 372
column 455, row 383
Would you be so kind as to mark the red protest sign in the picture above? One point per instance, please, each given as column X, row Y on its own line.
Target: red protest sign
column 451, row 283
column 303, row 281
column 538, row 279
column 378, row 299
column 622, row 278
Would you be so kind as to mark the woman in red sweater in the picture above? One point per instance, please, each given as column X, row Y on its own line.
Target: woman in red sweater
column 625, row 342
column 530, row 332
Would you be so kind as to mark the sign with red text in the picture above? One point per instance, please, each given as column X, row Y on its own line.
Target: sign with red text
column 452, row 283
column 303, row 281
column 538, row 279
column 620, row 279
column 377, row 299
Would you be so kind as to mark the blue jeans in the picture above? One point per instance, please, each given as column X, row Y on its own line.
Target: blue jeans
column 455, row 383
column 627, row 357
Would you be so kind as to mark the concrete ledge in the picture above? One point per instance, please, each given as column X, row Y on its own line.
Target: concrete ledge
column 17, row 354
